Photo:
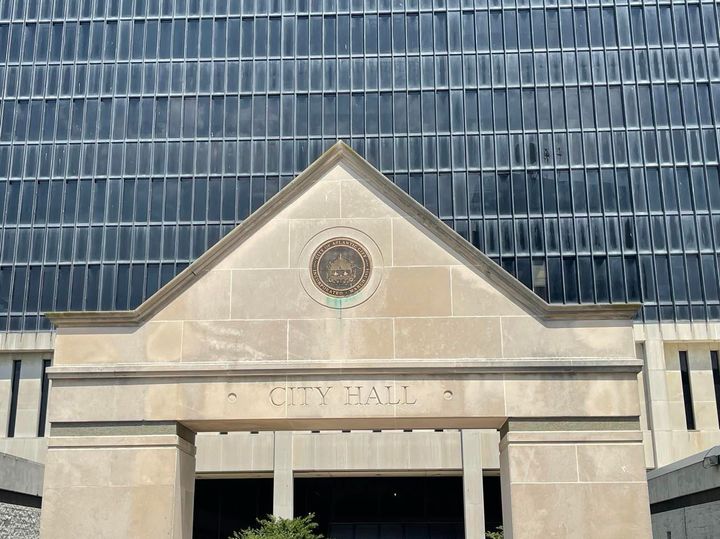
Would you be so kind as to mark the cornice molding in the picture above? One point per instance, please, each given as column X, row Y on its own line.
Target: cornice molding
column 250, row 369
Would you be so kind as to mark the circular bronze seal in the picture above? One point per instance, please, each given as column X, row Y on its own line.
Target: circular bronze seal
column 340, row 267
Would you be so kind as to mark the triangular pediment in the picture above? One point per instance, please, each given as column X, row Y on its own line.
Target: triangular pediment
column 341, row 190
column 342, row 265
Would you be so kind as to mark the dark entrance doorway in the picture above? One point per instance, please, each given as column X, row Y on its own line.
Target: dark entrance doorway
column 223, row 506
column 391, row 507
column 347, row 507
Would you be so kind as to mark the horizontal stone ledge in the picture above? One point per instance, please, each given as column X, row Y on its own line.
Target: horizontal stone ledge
column 343, row 423
column 574, row 437
column 571, row 430
column 450, row 471
column 156, row 441
column 121, row 428
column 565, row 424
column 240, row 474
column 319, row 368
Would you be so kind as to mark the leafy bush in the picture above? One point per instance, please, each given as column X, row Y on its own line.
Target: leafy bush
column 496, row 534
column 274, row 527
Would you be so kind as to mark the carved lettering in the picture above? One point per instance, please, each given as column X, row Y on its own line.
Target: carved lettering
column 351, row 395
column 405, row 396
column 390, row 393
column 323, row 394
column 381, row 395
column 274, row 397
column 373, row 396
column 304, row 390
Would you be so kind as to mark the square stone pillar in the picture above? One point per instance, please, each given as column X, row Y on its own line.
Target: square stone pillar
column 283, row 485
column 574, row 478
column 113, row 481
column 473, row 498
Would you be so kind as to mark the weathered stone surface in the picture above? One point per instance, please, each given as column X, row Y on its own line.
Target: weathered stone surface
column 444, row 339
column 255, row 252
column 411, row 245
column 322, row 200
column 118, row 486
column 473, row 295
column 208, row 300
column 527, row 336
column 340, row 339
column 360, row 200
column 565, row 482
column 463, row 337
column 234, row 340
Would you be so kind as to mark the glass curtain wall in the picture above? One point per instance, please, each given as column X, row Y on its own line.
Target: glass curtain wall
column 575, row 142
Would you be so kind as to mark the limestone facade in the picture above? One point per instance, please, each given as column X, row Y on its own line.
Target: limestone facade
column 659, row 346
column 553, row 398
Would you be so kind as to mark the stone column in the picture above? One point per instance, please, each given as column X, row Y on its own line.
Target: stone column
column 113, row 481
column 473, row 498
column 283, row 475
column 574, row 478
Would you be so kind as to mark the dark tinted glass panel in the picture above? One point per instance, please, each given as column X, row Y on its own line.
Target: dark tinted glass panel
column 223, row 506
column 14, row 394
column 498, row 109
column 44, row 393
column 417, row 506
column 686, row 390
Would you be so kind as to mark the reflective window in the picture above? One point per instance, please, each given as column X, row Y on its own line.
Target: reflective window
column 576, row 144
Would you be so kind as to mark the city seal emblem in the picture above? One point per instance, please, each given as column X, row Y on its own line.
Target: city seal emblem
column 340, row 267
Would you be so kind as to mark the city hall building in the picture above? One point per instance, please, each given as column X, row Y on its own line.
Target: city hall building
column 422, row 268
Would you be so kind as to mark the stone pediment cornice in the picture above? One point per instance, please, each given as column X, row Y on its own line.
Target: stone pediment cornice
column 341, row 154
column 469, row 367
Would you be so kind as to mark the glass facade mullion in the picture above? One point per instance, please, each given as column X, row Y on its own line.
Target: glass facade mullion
column 580, row 276
column 656, row 148
column 702, row 273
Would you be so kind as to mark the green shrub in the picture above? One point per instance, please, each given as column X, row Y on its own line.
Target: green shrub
column 281, row 528
column 496, row 534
